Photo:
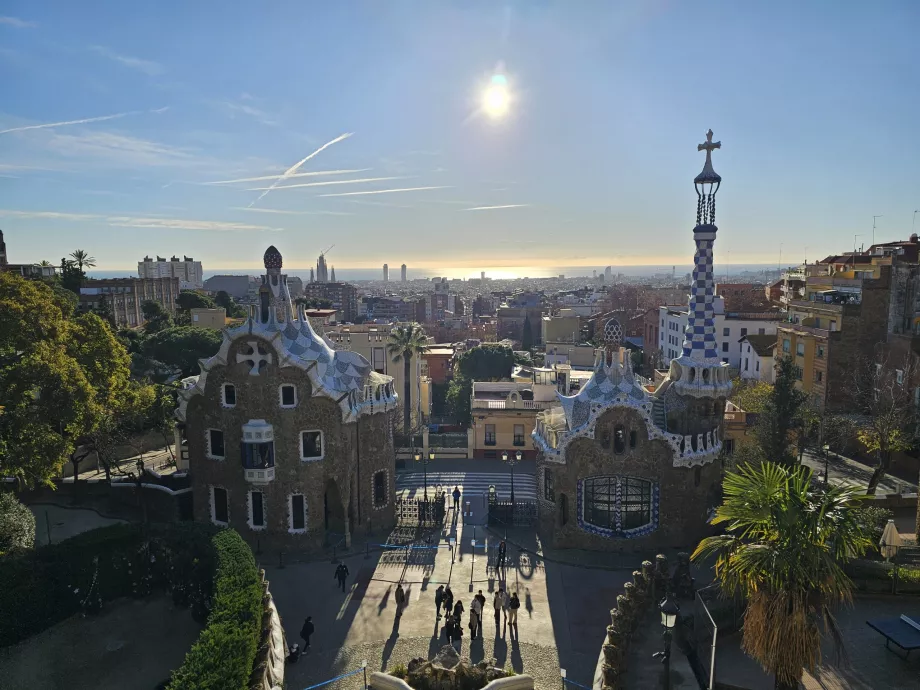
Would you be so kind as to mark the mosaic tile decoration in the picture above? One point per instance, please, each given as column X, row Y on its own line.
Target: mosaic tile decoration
column 608, row 533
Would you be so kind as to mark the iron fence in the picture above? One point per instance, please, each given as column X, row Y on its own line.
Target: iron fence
column 521, row 513
column 421, row 512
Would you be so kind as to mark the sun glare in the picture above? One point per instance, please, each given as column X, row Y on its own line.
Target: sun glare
column 496, row 99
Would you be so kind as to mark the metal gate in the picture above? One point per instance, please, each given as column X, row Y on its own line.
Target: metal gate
column 418, row 511
column 508, row 514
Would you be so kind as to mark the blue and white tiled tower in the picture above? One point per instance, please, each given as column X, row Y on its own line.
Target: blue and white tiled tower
column 699, row 371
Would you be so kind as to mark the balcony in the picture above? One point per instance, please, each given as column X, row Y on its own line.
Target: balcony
column 503, row 405
column 260, row 475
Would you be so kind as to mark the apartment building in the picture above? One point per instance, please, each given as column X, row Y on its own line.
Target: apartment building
column 126, row 295
column 504, row 416
column 188, row 271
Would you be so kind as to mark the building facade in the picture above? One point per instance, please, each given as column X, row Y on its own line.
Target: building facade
column 504, row 416
column 757, row 357
column 288, row 441
column 188, row 271
column 624, row 465
column 125, row 297
column 209, row 318
column 344, row 297
column 241, row 288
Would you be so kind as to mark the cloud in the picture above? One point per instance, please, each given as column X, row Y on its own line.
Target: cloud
column 387, row 191
column 326, row 183
column 303, row 174
column 492, row 208
column 87, row 120
column 139, row 222
column 294, row 168
column 17, row 23
column 123, row 150
column 260, row 115
column 148, row 67
column 377, row 203
column 291, row 213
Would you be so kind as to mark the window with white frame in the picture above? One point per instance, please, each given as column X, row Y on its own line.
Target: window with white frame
column 215, row 439
column 220, row 508
column 228, row 395
column 311, row 445
column 256, row 510
column 288, row 395
column 297, row 513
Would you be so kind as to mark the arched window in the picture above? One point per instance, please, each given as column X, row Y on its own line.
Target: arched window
column 632, row 438
column 618, row 504
column 619, row 439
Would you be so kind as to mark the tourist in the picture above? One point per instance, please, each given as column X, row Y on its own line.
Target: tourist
column 438, row 600
column 400, row 600
column 482, row 600
column 457, row 629
column 448, row 601
column 474, row 620
column 456, row 495
column 306, row 631
column 497, row 601
column 501, row 554
column 458, row 612
column 476, row 610
column 506, row 604
column 449, row 628
column 514, row 606
column 341, row 574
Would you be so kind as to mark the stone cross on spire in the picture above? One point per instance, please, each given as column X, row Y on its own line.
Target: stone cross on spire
column 708, row 175
column 709, row 145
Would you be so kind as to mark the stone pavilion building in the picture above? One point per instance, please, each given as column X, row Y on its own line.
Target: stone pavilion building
column 288, row 440
column 624, row 465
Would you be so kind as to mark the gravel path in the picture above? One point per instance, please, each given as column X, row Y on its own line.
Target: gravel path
column 540, row 662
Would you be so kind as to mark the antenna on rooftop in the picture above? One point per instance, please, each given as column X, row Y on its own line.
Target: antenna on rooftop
column 873, row 226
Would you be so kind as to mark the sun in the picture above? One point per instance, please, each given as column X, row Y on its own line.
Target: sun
column 496, row 99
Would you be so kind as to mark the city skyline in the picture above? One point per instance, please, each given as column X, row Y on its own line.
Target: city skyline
column 119, row 132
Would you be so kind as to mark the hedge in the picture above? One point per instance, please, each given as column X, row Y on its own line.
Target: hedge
column 17, row 524
column 224, row 653
column 51, row 583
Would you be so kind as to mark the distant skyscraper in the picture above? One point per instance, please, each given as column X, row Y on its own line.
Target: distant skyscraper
column 403, row 271
column 322, row 271
column 482, row 276
column 386, row 273
column 608, row 273
column 311, row 275
column 332, row 279
column 594, row 275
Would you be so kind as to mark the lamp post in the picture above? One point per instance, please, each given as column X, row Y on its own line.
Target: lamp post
column 669, row 610
column 827, row 452
column 512, row 460
column 424, row 460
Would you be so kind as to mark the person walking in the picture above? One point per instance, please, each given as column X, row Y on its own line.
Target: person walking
column 438, row 600
column 448, row 601
column 474, row 621
column 306, row 631
column 501, row 554
column 476, row 610
column 458, row 613
column 456, row 495
column 497, row 601
column 506, row 605
column 514, row 605
column 449, row 628
column 341, row 574
column 400, row 600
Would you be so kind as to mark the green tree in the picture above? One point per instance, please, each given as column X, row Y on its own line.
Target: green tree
column 71, row 277
column 527, row 335
column 190, row 299
column 458, row 399
column 29, row 314
column 156, row 316
column 750, row 395
column 234, row 310
column 784, row 552
column 488, row 362
column 405, row 343
column 104, row 310
column 314, row 302
column 17, row 524
column 180, row 347
column 780, row 414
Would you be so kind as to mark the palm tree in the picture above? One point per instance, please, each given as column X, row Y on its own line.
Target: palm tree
column 784, row 552
column 82, row 258
column 45, row 262
column 405, row 343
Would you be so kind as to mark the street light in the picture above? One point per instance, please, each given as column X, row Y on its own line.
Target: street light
column 512, row 460
column 669, row 610
column 827, row 451
column 418, row 458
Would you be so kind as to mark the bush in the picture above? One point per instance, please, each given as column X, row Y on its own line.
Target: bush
column 17, row 524
column 224, row 654
column 874, row 519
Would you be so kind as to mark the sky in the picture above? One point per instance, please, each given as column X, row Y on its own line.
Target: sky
column 124, row 125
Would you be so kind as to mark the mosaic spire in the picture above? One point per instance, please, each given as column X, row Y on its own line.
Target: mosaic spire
column 700, row 334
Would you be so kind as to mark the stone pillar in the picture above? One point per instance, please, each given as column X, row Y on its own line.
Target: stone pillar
column 425, row 441
column 470, row 442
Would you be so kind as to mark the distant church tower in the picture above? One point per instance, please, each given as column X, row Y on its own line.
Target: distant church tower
column 332, row 279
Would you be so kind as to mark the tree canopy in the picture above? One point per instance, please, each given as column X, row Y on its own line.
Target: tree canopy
column 234, row 310
column 780, row 414
column 182, row 346
column 488, row 362
column 58, row 378
column 190, row 299
column 527, row 335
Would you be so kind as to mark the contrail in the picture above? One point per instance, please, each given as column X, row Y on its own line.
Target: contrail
column 388, row 191
column 290, row 171
column 490, row 208
column 79, row 122
column 326, row 183
column 303, row 174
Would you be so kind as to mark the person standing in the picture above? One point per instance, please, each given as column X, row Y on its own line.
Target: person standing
column 400, row 600
column 306, row 631
column 438, row 600
column 497, row 601
column 506, row 604
column 474, row 621
column 456, row 495
column 501, row 554
column 514, row 605
column 458, row 613
column 448, row 601
column 449, row 628
column 476, row 610
column 341, row 574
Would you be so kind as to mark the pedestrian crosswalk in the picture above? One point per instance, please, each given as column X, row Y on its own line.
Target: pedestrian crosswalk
column 410, row 484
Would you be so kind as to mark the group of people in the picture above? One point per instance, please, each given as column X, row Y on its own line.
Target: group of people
column 503, row 603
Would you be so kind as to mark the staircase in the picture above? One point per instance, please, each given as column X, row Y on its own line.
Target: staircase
column 659, row 416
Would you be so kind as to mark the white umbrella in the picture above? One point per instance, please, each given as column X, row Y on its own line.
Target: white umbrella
column 890, row 541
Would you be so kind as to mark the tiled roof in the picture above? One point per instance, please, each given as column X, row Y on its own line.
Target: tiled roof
column 763, row 344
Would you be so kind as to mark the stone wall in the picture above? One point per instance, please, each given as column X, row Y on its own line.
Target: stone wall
column 685, row 495
column 268, row 669
column 352, row 454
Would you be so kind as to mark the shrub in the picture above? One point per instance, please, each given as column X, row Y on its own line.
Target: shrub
column 224, row 654
column 17, row 524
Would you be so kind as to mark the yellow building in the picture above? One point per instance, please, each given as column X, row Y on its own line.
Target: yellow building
column 209, row 318
column 563, row 328
column 504, row 415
